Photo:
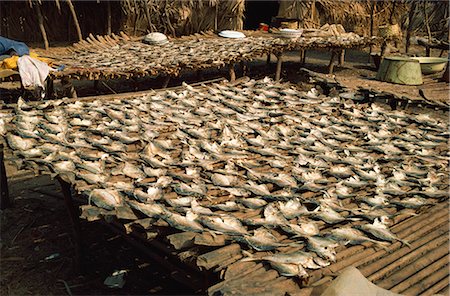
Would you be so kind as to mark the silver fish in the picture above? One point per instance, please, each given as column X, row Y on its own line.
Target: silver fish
column 262, row 240
column 350, row 236
column 302, row 229
column 225, row 224
column 149, row 209
column 292, row 208
column 106, row 198
column 380, row 230
column 19, row 143
column 323, row 247
column 184, row 223
column 128, row 170
column 253, row 203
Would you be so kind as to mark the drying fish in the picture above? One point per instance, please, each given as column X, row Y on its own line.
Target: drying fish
column 152, row 210
column 393, row 189
column 341, row 172
column 80, row 122
column 273, row 215
column 304, row 259
column 262, row 240
column 433, row 192
column 128, row 170
column 292, row 208
column 282, row 180
column 223, row 180
column 354, row 182
column 19, row 143
column 154, row 172
column 327, row 214
column 380, row 230
column 198, row 209
column 193, row 189
column 302, row 229
column 180, row 201
column 184, row 223
column 379, row 200
column 411, row 202
column 258, row 189
column 224, row 224
column 95, row 167
column 106, row 198
column 228, row 206
column 287, row 269
column 253, row 203
column 92, row 178
column 32, row 153
column 323, row 247
column 63, row 166
column 351, row 236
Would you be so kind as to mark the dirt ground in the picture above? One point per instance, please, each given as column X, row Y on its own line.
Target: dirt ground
column 37, row 226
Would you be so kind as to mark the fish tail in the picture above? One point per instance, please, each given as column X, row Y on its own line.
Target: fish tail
column 249, row 256
column 405, row 243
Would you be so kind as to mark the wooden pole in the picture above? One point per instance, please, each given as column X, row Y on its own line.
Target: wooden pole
column 41, row 24
column 279, row 63
column 147, row 15
column 410, row 25
column 427, row 21
column 5, row 200
column 73, row 213
column 108, row 10
column 392, row 12
column 372, row 10
column 75, row 19
column 232, row 72
column 216, row 15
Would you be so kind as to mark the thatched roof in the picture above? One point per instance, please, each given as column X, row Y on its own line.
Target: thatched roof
column 355, row 15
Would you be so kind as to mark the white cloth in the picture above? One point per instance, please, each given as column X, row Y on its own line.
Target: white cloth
column 32, row 72
column 351, row 282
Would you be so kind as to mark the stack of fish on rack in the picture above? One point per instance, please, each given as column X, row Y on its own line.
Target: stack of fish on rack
column 264, row 164
column 209, row 51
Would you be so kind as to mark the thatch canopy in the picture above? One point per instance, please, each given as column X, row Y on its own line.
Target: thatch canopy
column 355, row 15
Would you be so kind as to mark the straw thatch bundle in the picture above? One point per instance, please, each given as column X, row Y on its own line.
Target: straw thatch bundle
column 181, row 17
column 355, row 15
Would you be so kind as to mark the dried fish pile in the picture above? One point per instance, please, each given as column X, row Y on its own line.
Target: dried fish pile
column 259, row 163
column 122, row 57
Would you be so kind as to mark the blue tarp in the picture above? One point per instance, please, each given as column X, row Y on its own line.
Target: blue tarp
column 8, row 44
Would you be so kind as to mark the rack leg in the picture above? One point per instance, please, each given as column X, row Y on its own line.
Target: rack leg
column 75, row 221
column 232, row 72
column 278, row 70
column 166, row 81
column 331, row 65
column 5, row 199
